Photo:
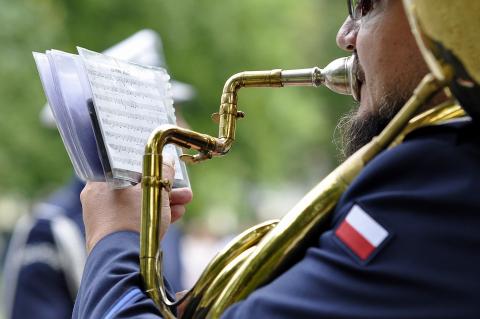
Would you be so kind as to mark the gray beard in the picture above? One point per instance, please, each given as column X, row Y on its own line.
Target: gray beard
column 355, row 129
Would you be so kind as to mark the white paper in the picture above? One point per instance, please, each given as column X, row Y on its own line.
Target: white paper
column 131, row 101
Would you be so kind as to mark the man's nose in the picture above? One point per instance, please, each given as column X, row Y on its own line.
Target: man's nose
column 347, row 35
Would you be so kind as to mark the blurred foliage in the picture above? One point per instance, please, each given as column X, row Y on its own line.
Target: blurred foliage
column 285, row 138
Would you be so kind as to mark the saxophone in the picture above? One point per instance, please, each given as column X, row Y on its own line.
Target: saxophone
column 447, row 35
column 253, row 257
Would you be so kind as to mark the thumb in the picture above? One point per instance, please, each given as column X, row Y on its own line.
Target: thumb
column 168, row 167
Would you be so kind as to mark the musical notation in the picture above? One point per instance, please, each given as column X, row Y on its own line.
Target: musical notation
column 131, row 101
column 105, row 110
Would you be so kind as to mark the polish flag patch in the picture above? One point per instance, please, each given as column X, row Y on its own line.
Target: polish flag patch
column 361, row 234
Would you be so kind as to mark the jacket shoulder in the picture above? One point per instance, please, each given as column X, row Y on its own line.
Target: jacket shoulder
column 436, row 159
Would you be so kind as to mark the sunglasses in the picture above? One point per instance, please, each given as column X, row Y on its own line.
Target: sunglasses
column 359, row 8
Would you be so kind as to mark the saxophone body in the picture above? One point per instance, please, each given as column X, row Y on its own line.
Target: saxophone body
column 252, row 258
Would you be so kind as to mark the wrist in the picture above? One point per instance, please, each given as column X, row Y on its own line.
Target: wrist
column 93, row 240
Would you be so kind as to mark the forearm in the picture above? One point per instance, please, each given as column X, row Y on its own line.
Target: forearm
column 111, row 284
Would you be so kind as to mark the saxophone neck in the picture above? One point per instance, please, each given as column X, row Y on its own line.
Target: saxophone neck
column 339, row 76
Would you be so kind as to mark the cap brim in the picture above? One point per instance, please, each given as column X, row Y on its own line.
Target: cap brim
column 182, row 92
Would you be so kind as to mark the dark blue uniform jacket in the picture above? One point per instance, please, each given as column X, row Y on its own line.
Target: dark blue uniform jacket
column 410, row 249
column 38, row 284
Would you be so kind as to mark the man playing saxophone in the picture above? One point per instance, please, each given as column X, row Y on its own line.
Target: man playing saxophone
column 402, row 240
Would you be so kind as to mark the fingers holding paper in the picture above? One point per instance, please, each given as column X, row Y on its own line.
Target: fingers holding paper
column 179, row 197
column 107, row 210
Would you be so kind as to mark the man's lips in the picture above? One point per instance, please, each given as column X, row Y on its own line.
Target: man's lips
column 359, row 89
column 359, row 76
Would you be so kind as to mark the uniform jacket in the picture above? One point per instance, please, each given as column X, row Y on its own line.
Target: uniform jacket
column 402, row 243
column 47, row 253
column 45, row 258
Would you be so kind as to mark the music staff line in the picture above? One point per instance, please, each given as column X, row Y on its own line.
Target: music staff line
column 126, row 149
column 127, row 91
column 127, row 161
column 131, row 127
column 127, row 138
column 124, row 68
column 123, row 79
column 160, row 107
column 153, row 118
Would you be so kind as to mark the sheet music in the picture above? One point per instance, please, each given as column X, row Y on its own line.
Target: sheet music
column 69, row 82
column 105, row 140
column 130, row 102
column 62, row 85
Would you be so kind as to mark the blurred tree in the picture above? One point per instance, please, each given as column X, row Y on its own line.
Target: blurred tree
column 286, row 136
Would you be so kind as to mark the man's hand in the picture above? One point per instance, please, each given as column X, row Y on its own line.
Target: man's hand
column 106, row 210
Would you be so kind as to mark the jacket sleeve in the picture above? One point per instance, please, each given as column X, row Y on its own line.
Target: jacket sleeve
column 111, row 284
column 417, row 192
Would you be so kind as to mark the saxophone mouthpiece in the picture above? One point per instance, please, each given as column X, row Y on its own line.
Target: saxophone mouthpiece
column 340, row 76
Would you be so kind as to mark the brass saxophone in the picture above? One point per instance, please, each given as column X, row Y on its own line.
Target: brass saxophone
column 247, row 262
column 448, row 39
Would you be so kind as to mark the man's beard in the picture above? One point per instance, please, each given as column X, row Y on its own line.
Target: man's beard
column 356, row 129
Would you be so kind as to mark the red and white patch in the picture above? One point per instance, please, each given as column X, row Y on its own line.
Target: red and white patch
column 361, row 233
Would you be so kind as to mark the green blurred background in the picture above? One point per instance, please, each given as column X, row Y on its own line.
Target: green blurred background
column 284, row 145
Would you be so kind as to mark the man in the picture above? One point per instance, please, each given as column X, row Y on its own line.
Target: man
column 402, row 242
